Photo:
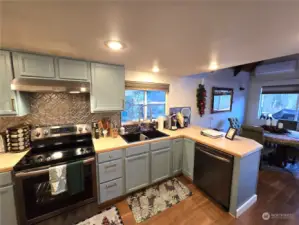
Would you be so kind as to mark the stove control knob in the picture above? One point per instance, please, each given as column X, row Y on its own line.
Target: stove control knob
column 86, row 129
column 48, row 158
column 46, row 132
column 37, row 134
column 40, row 159
column 80, row 129
column 82, row 150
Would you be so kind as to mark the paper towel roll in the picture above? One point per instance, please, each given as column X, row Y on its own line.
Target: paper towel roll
column 160, row 123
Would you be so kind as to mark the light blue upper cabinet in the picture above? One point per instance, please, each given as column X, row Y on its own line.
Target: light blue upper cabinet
column 11, row 102
column 7, row 106
column 33, row 66
column 107, row 87
column 70, row 69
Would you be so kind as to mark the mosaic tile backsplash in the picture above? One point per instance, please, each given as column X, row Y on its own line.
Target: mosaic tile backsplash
column 58, row 108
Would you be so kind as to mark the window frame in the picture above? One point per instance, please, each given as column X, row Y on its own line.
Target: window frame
column 261, row 100
column 145, row 108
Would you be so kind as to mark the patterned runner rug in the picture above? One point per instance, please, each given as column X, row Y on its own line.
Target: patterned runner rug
column 109, row 216
column 156, row 199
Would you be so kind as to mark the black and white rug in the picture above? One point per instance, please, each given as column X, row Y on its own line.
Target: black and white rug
column 108, row 216
column 156, row 199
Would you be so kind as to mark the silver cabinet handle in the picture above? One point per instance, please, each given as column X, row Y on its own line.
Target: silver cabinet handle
column 110, row 166
column 110, row 186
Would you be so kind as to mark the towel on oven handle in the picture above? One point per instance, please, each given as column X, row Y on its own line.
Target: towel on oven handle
column 57, row 178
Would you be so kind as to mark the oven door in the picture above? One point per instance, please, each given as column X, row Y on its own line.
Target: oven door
column 35, row 201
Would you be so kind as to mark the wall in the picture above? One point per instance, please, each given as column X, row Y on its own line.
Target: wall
column 256, row 84
column 57, row 108
column 183, row 93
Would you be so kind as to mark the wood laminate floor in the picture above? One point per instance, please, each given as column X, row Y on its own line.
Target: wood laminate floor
column 278, row 193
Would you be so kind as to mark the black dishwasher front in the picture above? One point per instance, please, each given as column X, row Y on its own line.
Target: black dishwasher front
column 213, row 173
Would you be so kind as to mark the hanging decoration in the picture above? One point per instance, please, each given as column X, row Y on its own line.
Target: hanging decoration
column 201, row 99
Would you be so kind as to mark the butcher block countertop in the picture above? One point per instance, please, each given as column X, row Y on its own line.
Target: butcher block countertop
column 9, row 160
column 239, row 147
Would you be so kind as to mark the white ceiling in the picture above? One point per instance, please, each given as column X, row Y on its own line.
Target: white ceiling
column 182, row 37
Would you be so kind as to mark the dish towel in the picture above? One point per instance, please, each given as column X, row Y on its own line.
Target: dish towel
column 75, row 177
column 57, row 178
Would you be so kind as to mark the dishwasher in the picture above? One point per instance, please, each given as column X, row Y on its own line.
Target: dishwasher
column 213, row 173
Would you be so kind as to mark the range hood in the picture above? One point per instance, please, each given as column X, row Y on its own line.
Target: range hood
column 43, row 85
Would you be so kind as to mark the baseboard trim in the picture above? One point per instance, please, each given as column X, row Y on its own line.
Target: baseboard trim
column 246, row 205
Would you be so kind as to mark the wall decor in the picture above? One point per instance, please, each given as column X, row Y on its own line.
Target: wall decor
column 201, row 99
column 222, row 99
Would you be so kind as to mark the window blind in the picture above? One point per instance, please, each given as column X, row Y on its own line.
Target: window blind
column 281, row 89
column 147, row 86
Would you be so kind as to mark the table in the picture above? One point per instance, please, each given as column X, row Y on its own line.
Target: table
column 283, row 141
column 291, row 139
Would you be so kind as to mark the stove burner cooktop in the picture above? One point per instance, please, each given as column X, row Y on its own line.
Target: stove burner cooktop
column 62, row 147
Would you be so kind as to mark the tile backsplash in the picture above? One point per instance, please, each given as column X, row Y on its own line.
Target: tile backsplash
column 58, row 108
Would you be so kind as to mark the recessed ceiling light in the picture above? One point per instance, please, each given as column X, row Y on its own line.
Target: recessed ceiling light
column 74, row 92
column 83, row 89
column 213, row 66
column 114, row 45
column 156, row 69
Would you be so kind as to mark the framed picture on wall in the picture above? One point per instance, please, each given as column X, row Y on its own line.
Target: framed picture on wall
column 222, row 99
column 231, row 133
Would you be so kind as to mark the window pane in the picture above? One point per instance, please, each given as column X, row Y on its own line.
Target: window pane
column 157, row 110
column 134, row 104
column 156, row 96
column 281, row 106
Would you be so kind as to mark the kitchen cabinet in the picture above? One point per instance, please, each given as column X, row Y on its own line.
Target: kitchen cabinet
column 11, row 102
column 177, row 155
column 7, row 201
column 33, row 66
column 107, row 87
column 70, row 69
column 188, row 158
column 137, row 172
column 160, row 165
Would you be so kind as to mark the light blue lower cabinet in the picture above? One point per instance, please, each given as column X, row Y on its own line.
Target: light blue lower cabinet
column 188, row 158
column 111, row 189
column 177, row 156
column 7, row 206
column 160, row 165
column 137, row 172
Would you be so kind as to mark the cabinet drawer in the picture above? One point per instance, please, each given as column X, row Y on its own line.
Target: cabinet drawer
column 178, row 141
column 160, row 145
column 108, row 156
column 110, row 170
column 5, row 179
column 137, row 150
column 111, row 189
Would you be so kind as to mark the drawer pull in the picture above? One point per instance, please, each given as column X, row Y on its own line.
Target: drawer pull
column 110, row 186
column 110, row 166
column 110, row 156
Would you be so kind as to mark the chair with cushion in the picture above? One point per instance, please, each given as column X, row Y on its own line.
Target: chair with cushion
column 257, row 134
column 234, row 123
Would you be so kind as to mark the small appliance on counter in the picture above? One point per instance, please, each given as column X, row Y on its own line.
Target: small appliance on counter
column 18, row 138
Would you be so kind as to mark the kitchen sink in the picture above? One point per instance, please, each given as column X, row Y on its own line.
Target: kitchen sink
column 141, row 136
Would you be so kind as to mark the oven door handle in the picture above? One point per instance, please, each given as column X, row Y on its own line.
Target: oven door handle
column 43, row 171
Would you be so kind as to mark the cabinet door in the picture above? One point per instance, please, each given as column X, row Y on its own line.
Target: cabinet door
column 177, row 155
column 160, row 166
column 33, row 66
column 7, row 96
column 188, row 158
column 137, row 172
column 7, row 206
column 73, row 69
column 107, row 87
